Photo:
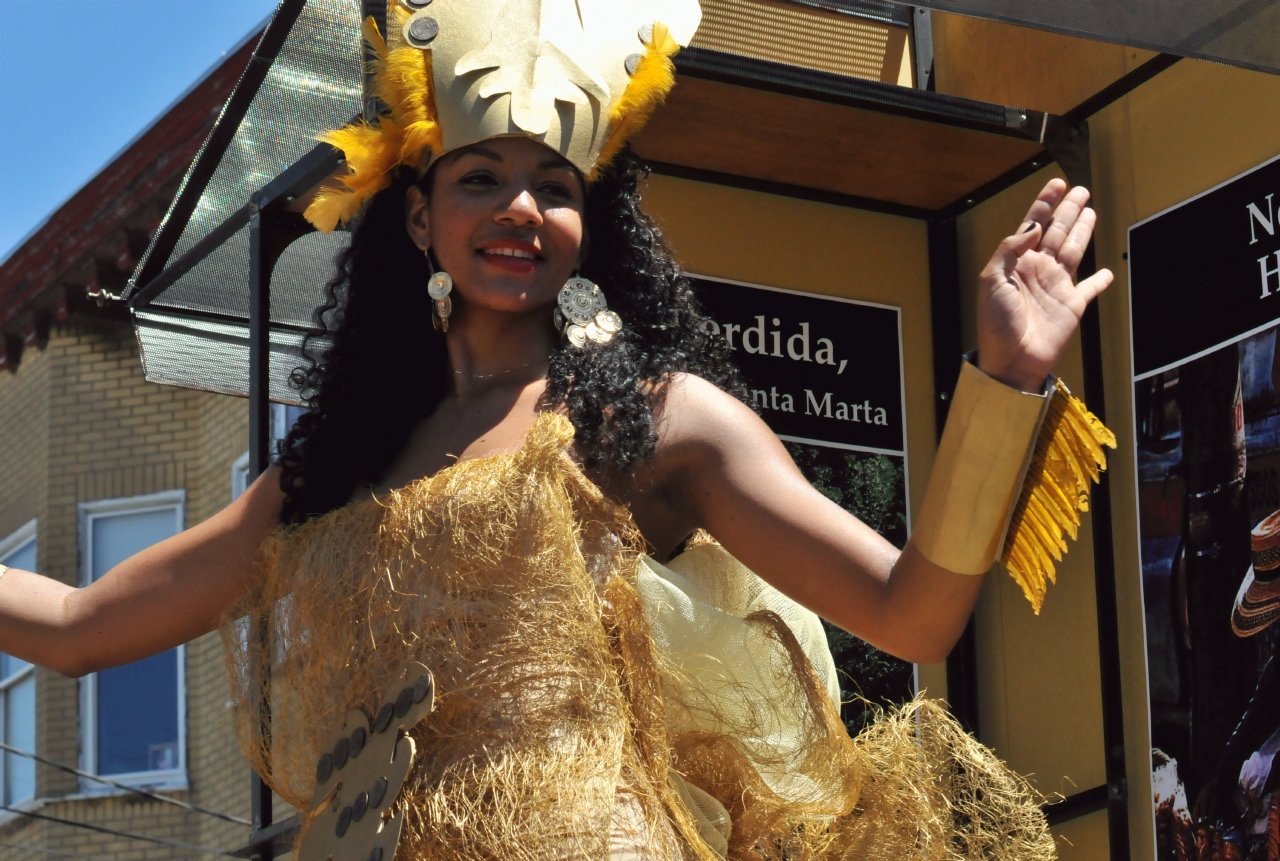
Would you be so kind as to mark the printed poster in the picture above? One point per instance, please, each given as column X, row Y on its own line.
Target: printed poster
column 1205, row 311
column 826, row 375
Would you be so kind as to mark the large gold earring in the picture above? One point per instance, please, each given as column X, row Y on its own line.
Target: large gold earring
column 439, row 286
column 582, row 314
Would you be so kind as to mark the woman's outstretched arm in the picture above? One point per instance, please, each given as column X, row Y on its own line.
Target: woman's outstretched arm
column 724, row 470
column 731, row 476
column 163, row 596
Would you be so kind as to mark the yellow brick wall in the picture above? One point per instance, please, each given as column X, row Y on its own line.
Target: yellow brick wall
column 81, row 423
column 24, row 422
column 219, row 776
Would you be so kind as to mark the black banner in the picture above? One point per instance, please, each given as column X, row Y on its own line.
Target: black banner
column 1206, row 272
column 821, row 370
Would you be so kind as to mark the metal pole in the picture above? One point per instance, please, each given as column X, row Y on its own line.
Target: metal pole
column 1068, row 143
column 260, row 259
column 259, row 345
column 1104, row 569
column 944, row 311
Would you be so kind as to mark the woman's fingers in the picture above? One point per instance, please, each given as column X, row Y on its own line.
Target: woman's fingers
column 1047, row 201
column 1073, row 247
column 1064, row 218
column 1090, row 288
column 1005, row 260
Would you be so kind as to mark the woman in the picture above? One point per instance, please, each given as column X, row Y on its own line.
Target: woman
column 430, row 516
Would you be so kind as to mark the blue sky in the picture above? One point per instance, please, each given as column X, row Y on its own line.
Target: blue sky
column 80, row 78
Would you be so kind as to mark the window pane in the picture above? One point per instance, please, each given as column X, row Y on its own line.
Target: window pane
column 138, row 716
column 116, row 537
column 23, row 557
column 9, row 665
column 137, row 709
column 20, row 732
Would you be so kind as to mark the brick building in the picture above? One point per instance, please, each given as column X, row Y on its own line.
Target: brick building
column 97, row 464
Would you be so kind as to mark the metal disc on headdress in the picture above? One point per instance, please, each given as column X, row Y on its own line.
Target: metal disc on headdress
column 440, row 285
column 580, row 301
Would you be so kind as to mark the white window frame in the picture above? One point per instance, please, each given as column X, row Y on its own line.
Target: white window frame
column 239, row 476
column 171, row 779
column 20, row 536
column 16, row 540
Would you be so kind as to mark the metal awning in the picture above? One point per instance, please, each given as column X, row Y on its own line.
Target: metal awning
column 190, row 295
column 1243, row 33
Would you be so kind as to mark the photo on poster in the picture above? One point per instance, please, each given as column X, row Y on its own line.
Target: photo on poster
column 1205, row 315
column 826, row 375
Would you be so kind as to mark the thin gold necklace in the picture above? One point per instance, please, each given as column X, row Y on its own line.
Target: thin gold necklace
column 499, row 373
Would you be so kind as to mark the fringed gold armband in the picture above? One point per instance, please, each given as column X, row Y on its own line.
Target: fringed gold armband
column 1068, row 457
column 1011, row 476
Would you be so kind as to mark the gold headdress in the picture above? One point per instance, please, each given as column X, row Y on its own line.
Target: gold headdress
column 580, row 76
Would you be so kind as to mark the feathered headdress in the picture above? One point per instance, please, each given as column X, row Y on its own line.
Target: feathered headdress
column 580, row 76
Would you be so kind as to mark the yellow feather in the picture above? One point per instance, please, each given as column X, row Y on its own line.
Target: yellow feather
column 402, row 79
column 405, row 85
column 369, row 29
column 648, row 88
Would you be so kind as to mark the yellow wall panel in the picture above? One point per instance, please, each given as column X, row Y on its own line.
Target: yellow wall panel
column 804, row 36
column 1192, row 127
column 1007, row 65
column 1084, row 839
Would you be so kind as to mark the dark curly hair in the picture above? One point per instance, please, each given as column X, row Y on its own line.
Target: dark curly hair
column 386, row 368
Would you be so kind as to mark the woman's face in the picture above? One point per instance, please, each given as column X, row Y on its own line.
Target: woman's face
column 504, row 219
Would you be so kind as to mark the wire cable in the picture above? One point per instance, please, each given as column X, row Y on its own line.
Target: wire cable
column 163, row 841
column 55, row 852
column 146, row 793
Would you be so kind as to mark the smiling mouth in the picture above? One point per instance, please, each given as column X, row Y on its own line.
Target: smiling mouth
column 509, row 252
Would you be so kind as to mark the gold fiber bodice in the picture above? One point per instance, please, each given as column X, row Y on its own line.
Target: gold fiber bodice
column 576, row 677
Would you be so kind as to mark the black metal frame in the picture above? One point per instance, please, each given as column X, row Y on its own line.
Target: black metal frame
column 273, row 228
column 784, row 189
column 849, row 92
column 881, row 11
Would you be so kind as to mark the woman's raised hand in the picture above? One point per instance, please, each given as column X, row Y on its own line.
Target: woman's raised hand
column 1028, row 303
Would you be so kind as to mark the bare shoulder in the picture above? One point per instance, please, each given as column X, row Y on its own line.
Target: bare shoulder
column 697, row 415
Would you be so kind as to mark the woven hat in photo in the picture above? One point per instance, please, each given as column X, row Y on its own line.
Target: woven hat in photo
column 1258, row 601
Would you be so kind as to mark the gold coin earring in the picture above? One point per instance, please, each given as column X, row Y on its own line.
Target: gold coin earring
column 582, row 314
column 439, row 286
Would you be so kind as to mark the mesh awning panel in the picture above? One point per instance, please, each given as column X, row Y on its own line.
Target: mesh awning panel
column 315, row 84
column 193, row 332
column 218, row 283
column 1242, row 33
